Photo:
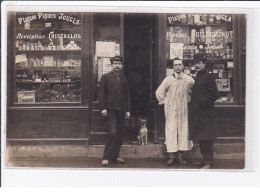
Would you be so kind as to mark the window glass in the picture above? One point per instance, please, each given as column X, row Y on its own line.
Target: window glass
column 210, row 34
column 47, row 65
column 106, row 44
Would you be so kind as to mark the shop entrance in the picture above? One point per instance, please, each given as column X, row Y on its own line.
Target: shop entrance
column 138, row 38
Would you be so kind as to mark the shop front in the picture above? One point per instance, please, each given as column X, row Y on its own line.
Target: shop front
column 56, row 60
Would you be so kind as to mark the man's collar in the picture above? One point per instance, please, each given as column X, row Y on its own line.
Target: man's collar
column 177, row 75
column 116, row 73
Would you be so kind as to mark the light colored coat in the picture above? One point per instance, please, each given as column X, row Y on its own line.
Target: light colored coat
column 174, row 92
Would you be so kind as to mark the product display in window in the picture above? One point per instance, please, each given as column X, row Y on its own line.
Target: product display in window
column 47, row 58
column 210, row 34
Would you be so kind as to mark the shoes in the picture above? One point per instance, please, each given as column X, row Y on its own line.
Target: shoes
column 200, row 163
column 181, row 161
column 207, row 166
column 120, row 160
column 170, row 161
column 105, row 162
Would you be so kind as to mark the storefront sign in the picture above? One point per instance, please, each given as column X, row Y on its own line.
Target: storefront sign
column 214, row 46
column 21, row 36
column 215, row 34
column 52, row 35
column 172, row 19
column 197, row 18
column 224, row 17
column 45, row 16
column 177, row 35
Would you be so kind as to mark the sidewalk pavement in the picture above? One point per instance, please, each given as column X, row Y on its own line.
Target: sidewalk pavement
column 130, row 163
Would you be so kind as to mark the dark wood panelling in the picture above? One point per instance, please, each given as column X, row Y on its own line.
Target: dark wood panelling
column 161, row 66
column 97, row 138
column 47, row 124
column 48, row 130
column 242, row 57
column 98, row 123
column 162, row 61
column 230, row 122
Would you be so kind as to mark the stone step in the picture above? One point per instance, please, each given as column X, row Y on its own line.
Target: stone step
column 233, row 150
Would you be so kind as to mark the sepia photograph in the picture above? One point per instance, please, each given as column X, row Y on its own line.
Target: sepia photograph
column 125, row 90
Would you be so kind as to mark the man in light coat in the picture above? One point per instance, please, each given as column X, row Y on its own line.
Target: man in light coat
column 174, row 93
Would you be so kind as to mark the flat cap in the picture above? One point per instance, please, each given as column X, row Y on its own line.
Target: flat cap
column 116, row 58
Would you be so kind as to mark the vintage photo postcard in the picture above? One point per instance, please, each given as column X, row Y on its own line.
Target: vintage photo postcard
column 162, row 90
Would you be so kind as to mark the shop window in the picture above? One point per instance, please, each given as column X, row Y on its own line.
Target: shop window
column 211, row 34
column 106, row 44
column 47, row 58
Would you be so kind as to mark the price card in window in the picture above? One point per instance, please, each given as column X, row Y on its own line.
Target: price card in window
column 223, row 85
column 20, row 58
column 230, row 65
column 105, row 49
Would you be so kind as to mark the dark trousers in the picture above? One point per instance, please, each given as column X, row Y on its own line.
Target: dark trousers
column 206, row 149
column 116, row 133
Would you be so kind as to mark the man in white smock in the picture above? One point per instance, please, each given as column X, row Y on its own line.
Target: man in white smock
column 174, row 92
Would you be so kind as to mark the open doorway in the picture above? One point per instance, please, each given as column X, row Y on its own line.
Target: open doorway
column 137, row 51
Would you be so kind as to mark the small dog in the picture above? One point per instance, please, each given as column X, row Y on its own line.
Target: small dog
column 143, row 133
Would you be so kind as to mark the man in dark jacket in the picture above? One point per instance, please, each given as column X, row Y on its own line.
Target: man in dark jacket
column 114, row 104
column 202, row 114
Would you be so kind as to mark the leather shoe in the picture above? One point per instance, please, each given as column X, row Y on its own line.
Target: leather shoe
column 170, row 161
column 207, row 166
column 105, row 162
column 200, row 163
column 120, row 160
column 183, row 162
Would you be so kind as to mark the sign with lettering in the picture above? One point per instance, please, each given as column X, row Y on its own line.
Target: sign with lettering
column 45, row 16
column 197, row 18
column 52, row 36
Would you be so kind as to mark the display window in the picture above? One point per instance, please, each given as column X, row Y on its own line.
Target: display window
column 47, row 53
column 210, row 34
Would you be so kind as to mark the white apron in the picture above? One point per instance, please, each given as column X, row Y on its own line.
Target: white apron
column 174, row 93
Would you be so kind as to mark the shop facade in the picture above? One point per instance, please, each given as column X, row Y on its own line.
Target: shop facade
column 56, row 60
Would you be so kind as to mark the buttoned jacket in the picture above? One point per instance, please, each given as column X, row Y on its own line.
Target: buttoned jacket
column 113, row 92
